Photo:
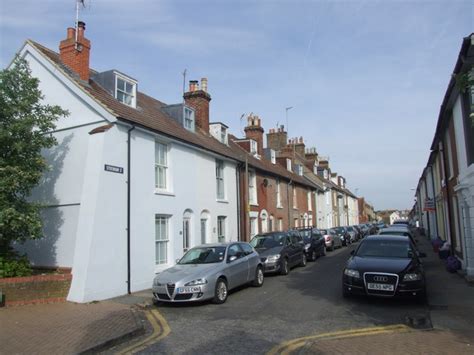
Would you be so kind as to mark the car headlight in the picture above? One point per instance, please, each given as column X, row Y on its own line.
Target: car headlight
column 196, row 282
column 273, row 258
column 412, row 277
column 307, row 246
column 352, row 273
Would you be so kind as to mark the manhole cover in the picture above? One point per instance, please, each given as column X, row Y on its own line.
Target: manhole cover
column 418, row 321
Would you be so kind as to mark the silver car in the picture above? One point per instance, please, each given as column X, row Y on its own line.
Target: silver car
column 208, row 272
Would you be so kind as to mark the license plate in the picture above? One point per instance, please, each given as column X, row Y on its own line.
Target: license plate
column 190, row 289
column 380, row 287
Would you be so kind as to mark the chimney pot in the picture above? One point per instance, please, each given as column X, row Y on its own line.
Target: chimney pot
column 204, row 84
column 71, row 32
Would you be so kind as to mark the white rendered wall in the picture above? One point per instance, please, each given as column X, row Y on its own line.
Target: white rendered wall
column 61, row 187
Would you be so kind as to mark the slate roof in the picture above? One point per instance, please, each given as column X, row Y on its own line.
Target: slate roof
column 148, row 114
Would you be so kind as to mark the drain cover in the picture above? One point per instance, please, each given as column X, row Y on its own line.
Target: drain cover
column 419, row 321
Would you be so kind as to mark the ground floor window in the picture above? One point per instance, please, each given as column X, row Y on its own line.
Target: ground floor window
column 253, row 226
column 221, row 228
column 280, row 224
column 161, row 239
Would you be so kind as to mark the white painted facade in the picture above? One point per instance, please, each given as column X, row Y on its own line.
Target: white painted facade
column 353, row 211
column 464, row 190
column 85, row 223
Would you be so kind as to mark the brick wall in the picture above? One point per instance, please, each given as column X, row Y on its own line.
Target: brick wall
column 35, row 289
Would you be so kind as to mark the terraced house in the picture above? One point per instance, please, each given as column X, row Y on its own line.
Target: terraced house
column 134, row 182
column 445, row 193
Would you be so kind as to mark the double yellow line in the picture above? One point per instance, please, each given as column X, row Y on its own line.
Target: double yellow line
column 161, row 330
column 289, row 346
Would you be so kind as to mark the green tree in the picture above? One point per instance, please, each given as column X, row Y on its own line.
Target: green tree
column 24, row 125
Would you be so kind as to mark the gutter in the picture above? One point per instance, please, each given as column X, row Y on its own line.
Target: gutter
column 129, row 131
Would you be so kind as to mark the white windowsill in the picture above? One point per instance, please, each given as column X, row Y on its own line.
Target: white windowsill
column 164, row 192
column 222, row 201
column 280, row 207
column 254, row 204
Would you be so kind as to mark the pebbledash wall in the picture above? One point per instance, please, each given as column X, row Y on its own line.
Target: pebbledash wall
column 86, row 214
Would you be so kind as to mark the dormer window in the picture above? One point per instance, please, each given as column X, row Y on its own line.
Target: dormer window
column 253, row 147
column 299, row 169
column 188, row 119
column 125, row 90
column 288, row 164
column 219, row 131
column 273, row 156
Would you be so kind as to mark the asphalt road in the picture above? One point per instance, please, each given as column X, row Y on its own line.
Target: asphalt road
column 253, row 320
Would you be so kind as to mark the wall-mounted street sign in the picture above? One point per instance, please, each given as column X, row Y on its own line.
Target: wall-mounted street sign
column 113, row 169
column 429, row 205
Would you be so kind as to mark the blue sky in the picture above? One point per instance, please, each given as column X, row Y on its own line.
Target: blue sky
column 365, row 78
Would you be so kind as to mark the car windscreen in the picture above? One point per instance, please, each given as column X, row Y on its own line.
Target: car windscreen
column 267, row 241
column 339, row 230
column 203, row 255
column 323, row 231
column 385, row 249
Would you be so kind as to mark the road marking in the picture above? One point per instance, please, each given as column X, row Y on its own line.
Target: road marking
column 291, row 345
column 161, row 330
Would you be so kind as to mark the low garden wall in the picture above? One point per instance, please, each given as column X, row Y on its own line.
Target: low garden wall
column 35, row 289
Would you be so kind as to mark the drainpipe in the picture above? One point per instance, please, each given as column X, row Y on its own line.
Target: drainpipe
column 237, row 179
column 292, row 202
column 427, row 212
column 448, row 197
column 128, row 206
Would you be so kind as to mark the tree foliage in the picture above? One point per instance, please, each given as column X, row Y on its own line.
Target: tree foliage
column 25, row 121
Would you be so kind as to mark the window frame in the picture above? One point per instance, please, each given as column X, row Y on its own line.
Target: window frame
column 278, row 194
column 132, row 95
column 164, row 166
column 253, row 195
column 221, row 228
column 220, row 180
column 166, row 241
column 188, row 122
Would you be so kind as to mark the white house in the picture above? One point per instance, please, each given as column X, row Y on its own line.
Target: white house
column 133, row 183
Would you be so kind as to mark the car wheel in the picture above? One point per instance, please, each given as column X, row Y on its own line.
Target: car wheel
column 313, row 255
column 285, row 269
column 304, row 260
column 259, row 277
column 220, row 292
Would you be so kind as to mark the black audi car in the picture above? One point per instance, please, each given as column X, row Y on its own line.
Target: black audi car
column 385, row 266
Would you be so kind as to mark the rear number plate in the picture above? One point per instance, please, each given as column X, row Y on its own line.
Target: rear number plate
column 380, row 287
column 190, row 289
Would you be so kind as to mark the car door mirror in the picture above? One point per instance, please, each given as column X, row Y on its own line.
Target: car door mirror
column 232, row 258
column 177, row 261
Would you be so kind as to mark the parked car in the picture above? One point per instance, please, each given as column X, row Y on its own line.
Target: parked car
column 364, row 229
column 331, row 239
column 314, row 245
column 280, row 251
column 343, row 233
column 395, row 230
column 208, row 272
column 353, row 233
column 385, row 266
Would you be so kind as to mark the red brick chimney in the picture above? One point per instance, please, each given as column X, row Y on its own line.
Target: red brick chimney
column 76, row 54
column 277, row 139
column 254, row 131
column 199, row 100
column 299, row 146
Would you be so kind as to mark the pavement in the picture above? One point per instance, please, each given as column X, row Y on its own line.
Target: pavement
column 258, row 320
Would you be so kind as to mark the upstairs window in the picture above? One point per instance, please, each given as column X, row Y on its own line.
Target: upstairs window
column 288, row 164
column 125, row 91
column 278, row 194
column 295, row 205
column 223, row 135
column 161, row 166
column 188, row 119
column 220, row 179
column 253, row 187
